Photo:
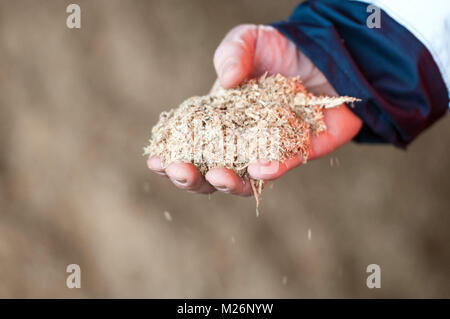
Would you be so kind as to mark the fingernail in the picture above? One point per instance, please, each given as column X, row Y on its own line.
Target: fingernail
column 264, row 162
column 222, row 188
column 180, row 181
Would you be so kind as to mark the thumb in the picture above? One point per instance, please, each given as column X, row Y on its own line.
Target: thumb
column 233, row 57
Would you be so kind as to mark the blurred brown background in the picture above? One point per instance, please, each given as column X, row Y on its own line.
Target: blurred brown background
column 76, row 108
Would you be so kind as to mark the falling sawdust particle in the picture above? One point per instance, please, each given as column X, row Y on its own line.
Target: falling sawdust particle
column 334, row 161
column 167, row 216
column 270, row 118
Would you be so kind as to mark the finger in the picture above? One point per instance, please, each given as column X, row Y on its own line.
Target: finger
column 155, row 165
column 233, row 57
column 187, row 177
column 270, row 170
column 215, row 86
column 274, row 53
column 227, row 181
column 342, row 126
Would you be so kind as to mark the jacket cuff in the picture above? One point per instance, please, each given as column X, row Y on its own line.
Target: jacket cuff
column 400, row 85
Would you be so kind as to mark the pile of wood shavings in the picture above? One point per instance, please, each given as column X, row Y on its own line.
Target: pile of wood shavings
column 269, row 118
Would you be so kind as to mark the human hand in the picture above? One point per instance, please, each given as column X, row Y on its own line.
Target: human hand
column 249, row 51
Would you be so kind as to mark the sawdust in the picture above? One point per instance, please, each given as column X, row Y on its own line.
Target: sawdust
column 270, row 118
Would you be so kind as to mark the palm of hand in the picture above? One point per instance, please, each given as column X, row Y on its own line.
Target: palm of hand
column 249, row 51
